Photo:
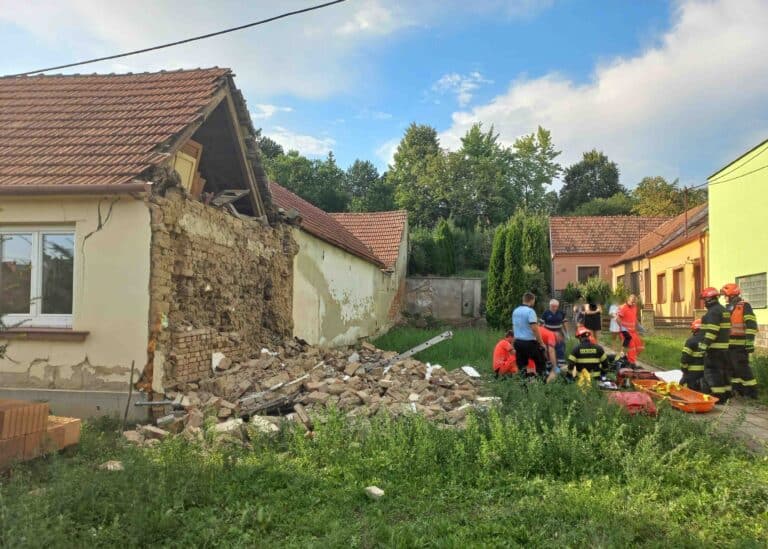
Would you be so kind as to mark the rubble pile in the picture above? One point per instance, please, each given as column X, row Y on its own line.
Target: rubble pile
column 298, row 381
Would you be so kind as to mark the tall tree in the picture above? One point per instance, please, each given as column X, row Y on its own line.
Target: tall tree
column 477, row 187
column 369, row 191
column 320, row 182
column 618, row 204
column 593, row 177
column 495, row 300
column 534, row 168
column 417, row 173
column 655, row 196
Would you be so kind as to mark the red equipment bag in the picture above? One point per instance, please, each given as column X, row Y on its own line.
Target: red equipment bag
column 628, row 373
column 634, row 402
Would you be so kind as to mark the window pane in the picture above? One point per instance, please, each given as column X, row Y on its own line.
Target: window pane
column 15, row 273
column 58, row 263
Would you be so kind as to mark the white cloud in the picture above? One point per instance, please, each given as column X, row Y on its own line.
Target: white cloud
column 263, row 111
column 367, row 114
column 462, row 85
column 386, row 151
column 307, row 145
column 664, row 111
column 373, row 18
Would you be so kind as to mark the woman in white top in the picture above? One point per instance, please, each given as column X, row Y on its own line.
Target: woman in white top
column 614, row 328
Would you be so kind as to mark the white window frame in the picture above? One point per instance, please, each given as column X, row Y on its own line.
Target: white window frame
column 35, row 318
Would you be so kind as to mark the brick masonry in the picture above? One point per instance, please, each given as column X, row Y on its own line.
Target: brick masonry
column 218, row 283
column 762, row 336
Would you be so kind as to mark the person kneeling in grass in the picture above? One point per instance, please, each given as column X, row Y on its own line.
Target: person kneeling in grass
column 504, row 360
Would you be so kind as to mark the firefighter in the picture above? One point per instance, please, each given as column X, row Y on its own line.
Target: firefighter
column 692, row 359
column 587, row 356
column 742, row 341
column 716, row 325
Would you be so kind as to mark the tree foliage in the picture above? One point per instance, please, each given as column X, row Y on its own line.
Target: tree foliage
column 368, row 190
column 534, row 168
column 320, row 182
column 593, row 177
column 618, row 204
column 656, row 197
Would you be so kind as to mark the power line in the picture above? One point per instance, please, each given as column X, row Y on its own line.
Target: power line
column 185, row 41
column 750, row 159
column 719, row 181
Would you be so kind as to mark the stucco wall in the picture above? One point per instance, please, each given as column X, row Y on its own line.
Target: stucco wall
column 339, row 298
column 565, row 267
column 684, row 258
column 110, row 301
column 738, row 243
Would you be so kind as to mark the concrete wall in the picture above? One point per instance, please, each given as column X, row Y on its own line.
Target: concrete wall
column 111, row 295
column 565, row 267
column 339, row 298
column 444, row 298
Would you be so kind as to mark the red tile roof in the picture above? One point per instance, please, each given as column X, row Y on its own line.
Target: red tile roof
column 669, row 235
column 95, row 129
column 596, row 235
column 318, row 223
column 382, row 232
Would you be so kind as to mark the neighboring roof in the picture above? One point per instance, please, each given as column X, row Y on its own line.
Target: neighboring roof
column 669, row 235
column 382, row 232
column 598, row 235
column 753, row 149
column 320, row 224
column 76, row 130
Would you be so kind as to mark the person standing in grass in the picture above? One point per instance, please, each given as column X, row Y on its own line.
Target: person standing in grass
column 555, row 321
column 627, row 318
column 742, row 342
column 716, row 325
column 613, row 312
column 528, row 343
column 692, row 359
column 592, row 318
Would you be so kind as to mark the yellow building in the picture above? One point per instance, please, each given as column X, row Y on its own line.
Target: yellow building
column 667, row 267
column 738, row 194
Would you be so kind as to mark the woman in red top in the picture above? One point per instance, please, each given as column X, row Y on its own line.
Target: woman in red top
column 627, row 319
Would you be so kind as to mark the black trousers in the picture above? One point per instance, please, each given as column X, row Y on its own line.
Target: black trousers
column 525, row 350
column 693, row 380
column 717, row 365
column 742, row 378
column 626, row 338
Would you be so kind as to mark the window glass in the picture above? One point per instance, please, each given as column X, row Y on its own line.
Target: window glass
column 58, row 263
column 15, row 273
column 585, row 273
column 754, row 288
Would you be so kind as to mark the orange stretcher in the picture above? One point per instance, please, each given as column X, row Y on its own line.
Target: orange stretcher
column 682, row 398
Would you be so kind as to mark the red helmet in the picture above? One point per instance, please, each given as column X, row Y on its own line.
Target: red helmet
column 696, row 325
column 730, row 290
column 710, row 293
column 581, row 331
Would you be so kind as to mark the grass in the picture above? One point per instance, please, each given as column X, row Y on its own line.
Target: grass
column 554, row 466
column 473, row 346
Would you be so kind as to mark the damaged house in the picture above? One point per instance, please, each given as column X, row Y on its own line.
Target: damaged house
column 137, row 233
column 349, row 272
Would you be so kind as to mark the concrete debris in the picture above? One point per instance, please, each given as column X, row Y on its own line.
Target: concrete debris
column 301, row 381
column 112, row 465
column 374, row 492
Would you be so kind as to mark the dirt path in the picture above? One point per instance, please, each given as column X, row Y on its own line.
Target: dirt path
column 740, row 417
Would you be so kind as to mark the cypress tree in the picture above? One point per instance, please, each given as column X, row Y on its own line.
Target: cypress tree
column 495, row 299
column 514, row 276
column 446, row 264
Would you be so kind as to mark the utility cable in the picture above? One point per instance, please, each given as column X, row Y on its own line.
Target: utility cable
column 185, row 41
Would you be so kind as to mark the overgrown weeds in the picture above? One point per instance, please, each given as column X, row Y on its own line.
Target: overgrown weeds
column 552, row 465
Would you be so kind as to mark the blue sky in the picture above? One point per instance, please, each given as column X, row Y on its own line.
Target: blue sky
column 664, row 88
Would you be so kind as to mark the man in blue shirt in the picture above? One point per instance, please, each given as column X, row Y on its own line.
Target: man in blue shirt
column 528, row 342
column 554, row 321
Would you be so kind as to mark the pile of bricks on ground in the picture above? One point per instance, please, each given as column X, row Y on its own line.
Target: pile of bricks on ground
column 297, row 382
column 27, row 431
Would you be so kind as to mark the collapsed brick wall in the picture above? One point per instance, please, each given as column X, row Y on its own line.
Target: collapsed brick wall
column 218, row 283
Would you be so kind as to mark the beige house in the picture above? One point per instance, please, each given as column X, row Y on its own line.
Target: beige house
column 349, row 273
column 136, row 235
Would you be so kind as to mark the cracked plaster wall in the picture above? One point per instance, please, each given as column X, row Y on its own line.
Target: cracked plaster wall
column 111, row 296
column 339, row 298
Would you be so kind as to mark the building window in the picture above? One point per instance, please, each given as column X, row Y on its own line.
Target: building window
column 678, row 285
column 36, row 276
column 754, row 288
column 661, row 288
column 586, row 273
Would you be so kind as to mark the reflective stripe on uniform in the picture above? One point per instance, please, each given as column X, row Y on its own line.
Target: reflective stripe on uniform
column 750, row 383
column 585, row 360
column 695, row 368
